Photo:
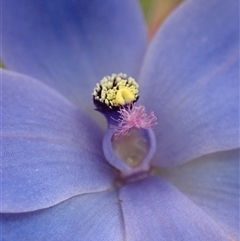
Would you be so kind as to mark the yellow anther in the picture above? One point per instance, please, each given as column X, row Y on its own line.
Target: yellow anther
column 124, row 96
column 114, row 91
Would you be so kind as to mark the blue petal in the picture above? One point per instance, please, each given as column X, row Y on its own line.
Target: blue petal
column 72, row 44
column 193, row 67
column 154, row 210
column 212, row 182
column 51, row 151
column 87, row 217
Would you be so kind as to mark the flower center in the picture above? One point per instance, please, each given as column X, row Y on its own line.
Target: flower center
column 114, row 91
column 129, row 144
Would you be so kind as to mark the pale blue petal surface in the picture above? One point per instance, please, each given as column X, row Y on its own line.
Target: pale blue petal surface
column 90, row 217
column 51, row 151
column 155, row 210
column 190, row 79
column 72, row 44
column 212, row 182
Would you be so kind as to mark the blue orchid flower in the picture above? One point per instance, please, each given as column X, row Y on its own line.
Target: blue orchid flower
column 56, row 183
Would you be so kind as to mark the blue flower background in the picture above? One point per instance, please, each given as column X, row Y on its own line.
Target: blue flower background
column 55, row 181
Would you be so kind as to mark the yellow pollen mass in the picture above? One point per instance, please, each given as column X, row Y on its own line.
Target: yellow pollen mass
column 115, row 91
column 124, row 96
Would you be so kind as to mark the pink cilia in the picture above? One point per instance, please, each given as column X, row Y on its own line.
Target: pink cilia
column 133, row 116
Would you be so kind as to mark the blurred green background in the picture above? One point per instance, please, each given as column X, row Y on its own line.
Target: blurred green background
column 1, row 64
column 146, row 5
column 156, row 11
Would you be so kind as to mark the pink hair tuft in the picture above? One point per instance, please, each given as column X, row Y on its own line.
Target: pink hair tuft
column 133, row 116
